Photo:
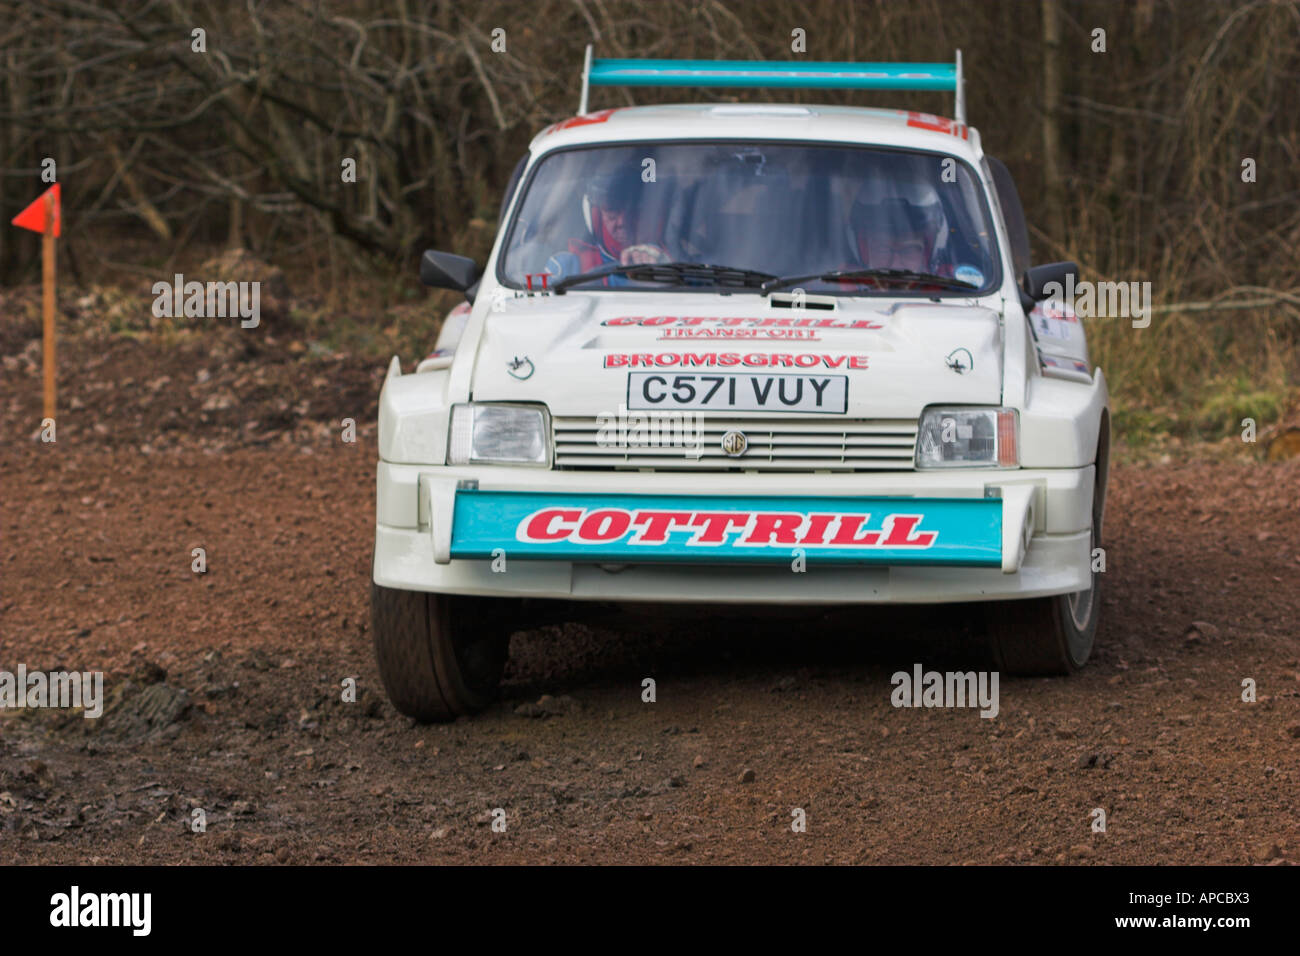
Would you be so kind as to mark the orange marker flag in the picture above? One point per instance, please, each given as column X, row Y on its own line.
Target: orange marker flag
column 33, row 217
column 46, row 217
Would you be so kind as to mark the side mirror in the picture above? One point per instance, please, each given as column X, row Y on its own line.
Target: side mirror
column 444, row 270
column 1039, row 278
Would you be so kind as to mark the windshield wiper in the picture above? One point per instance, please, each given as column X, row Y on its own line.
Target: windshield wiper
column 896, row 275
column 678, row 273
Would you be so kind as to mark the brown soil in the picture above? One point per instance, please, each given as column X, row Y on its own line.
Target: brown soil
column 224, row 689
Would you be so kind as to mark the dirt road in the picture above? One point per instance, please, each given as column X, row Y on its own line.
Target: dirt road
column 224, row 689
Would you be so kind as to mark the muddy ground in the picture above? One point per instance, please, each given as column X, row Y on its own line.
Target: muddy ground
column 224, row 689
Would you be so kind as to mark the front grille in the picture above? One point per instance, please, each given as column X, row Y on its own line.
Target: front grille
column 774, row 445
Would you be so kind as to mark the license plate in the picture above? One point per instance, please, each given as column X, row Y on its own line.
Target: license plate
column 738, row 392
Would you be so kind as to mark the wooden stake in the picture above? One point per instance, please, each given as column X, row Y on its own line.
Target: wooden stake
column 47, row 262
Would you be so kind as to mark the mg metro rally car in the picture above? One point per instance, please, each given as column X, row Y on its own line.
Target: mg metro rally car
column 746, row 354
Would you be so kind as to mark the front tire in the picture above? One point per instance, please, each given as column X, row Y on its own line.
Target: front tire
column 440, row 656
column 1047, row 637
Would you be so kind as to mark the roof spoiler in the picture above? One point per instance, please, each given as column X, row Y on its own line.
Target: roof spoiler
column 774, row 74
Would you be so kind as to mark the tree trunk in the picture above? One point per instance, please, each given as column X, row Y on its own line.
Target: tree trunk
column 1052, row 178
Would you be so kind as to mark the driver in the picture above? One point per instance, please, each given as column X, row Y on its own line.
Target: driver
column 899, row 233
column 612, row 208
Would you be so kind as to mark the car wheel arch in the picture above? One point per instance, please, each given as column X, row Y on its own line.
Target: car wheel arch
column 1101, row 481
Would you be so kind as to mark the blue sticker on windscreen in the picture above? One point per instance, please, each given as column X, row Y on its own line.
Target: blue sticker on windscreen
column 969, row 274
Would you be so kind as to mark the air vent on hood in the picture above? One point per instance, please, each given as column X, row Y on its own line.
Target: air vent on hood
column 787, row 300
column 762, row 109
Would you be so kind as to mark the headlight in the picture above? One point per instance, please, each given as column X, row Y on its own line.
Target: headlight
column 965, row 437
column 498, row 434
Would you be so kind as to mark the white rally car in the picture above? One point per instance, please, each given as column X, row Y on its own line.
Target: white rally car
column 742, row 354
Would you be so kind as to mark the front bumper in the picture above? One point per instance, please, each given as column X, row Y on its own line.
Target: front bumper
column 1038, row 545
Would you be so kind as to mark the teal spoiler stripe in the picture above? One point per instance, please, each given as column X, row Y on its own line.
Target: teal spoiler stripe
column 767, row 73
column 777, row 74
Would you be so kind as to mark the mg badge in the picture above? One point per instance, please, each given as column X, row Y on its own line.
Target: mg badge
column 734, row 444
column 520, row 368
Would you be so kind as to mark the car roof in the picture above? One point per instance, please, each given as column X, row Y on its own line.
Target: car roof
column 768, row 121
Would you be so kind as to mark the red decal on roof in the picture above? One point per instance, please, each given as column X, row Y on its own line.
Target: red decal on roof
column 938, row 124
column 929, row 121
column 591, row 118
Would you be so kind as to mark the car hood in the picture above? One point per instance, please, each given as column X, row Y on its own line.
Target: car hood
column 575, row 352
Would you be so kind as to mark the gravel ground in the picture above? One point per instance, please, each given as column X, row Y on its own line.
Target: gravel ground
column 224, row 690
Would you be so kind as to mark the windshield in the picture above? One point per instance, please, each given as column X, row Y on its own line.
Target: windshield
column 776, row 209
